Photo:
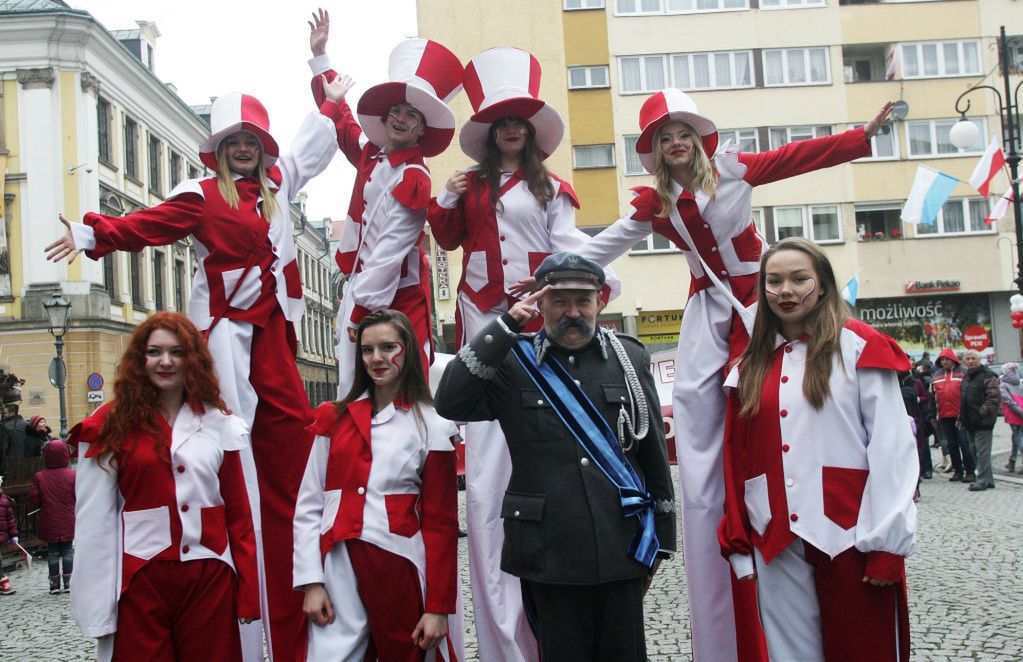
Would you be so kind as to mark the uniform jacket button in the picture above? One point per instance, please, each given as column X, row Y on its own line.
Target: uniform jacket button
column 361, row 490
column 585, row 462
column 794, row 517
column 785, row 448
column 784, row 379
column 539, row 402
column 790, row 482
column 783, row 413
column 515, row 514
column 181, row 468
column 488, row 338
column 184, row 550
column 788, row 349
column 184, row 508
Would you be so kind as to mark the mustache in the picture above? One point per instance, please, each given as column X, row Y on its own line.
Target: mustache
column 567, row 323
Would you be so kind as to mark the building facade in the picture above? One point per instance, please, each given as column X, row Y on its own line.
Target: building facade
column 770, row 72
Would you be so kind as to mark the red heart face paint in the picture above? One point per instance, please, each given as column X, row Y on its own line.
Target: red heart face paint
column 790, row 283
column 382, row 353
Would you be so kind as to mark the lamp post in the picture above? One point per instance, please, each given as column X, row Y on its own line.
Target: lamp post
column 57, row 311
column 965, row 133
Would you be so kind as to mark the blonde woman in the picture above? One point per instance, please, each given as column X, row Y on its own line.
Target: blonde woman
column 246, row 297
column 701, row 202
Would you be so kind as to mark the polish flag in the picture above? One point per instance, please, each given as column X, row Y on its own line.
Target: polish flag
column 893, row 64
column 992, row 161
column 999, row 208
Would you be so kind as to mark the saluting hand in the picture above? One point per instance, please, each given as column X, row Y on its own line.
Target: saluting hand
column 337, row 89
column 874, row 125
column 524, row 311
column 457, row 184
column 63, row 247
column 319, row 30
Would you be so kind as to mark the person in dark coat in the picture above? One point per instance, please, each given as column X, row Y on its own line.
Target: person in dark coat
column 915, row 398
column 980, row 402
column 584, row 559
column 8, row 533
column 53, row 490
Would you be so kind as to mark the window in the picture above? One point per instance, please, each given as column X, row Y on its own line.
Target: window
column 884, row 144
column 594, row 156
column 934, row 59
column 686, row 6
column 758, row 221
column 930, row 138
column 825, row 223
column 155, row 185
column 131, row 153
column 633, row 166
column 959, row 216
column 790, row 4
column 797, row 66
column 179, row 285
column 103, row 129
column 879, row 221
column 136, row 279
column 642, row 73
column 702, row 71
column 654, row 243
column 638, row 7
column 584, row 4
column 175, row 169
column 158, row 262
column 783, row 135
column 580, row 78
column 746, row 139
column 110, row 275
column 193, row 172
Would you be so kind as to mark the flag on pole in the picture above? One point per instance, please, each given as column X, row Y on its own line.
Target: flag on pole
column 893, row 64
column 930, row 191
column 851, row 289
column 999, row 208
column 992, row 161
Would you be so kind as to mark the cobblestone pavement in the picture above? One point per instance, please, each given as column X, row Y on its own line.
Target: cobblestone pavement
column 965, row 586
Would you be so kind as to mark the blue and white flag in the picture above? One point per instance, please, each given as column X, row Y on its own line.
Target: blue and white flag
column 930, row 191
column 851, row 289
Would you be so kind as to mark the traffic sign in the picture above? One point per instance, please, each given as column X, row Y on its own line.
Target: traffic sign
column 95, row 396
column 58, row 372
column 94, row 381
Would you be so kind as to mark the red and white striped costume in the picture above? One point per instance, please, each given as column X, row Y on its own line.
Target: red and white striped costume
column 837, row 482
column 380, row 242
column 158, row 536
column 725, row 238
column 232, row 245
column 379, row 496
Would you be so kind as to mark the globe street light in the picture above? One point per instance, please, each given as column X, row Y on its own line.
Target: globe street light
column 57, row 311
column 965, row 134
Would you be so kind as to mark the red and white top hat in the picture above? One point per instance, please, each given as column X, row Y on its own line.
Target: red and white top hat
column 671, row 105
column 236, row 112
column 504, row 82
column 425, row 75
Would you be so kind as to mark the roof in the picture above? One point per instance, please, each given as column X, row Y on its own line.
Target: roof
column 124, row 34
column 29, row 6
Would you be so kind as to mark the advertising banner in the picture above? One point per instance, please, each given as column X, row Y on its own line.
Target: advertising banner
column 929, row 323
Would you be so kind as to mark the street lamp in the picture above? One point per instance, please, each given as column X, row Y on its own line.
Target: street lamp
column 965, row 133
column 57, row 311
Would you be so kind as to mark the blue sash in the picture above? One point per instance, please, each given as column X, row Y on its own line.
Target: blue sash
column 598, row 441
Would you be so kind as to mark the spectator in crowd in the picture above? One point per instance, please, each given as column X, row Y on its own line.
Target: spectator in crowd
column 1012, row 410
column 979, row 399
column 916, row 407
column 8, row 533
column 17, row 442
column 39, row 431
column 946, row 383
column 53, row 490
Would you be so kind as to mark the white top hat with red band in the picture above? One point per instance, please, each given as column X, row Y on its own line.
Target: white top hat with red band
column 671, row 105
column 425, row 75
column 236, row 112
column 504, row 82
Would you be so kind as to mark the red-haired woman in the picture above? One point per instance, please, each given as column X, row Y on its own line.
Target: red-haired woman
column 166, row 552
column 376, row 522
column 247, row 297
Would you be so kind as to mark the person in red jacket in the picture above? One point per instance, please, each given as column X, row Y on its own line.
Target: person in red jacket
column 53, row 490
column 166, row 548
column 8, row 533
column 945, row 384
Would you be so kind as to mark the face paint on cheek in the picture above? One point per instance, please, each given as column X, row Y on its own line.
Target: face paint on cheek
column 774, row 294
column 394, row 358
column 807, row 295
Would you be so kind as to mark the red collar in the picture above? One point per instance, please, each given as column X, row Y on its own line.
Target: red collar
column 404, row 155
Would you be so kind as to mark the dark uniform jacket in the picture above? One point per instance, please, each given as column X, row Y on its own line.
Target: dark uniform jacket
column 563, row 519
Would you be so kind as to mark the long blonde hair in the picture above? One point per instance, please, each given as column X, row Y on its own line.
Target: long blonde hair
column 704, row 175
column 227, row 188
column 823, row 325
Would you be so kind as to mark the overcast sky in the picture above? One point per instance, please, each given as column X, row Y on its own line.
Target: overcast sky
column 211, row 47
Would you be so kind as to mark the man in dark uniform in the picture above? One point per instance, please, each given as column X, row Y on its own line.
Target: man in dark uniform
column 589, row 511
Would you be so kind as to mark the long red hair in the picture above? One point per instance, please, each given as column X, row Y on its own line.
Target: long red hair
column 136, row 401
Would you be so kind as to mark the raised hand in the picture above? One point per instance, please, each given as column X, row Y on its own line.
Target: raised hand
column 524, row 286
column 524, row 311
column 319, row 30
column 874, row 125
column 63, row 247
column 457, row 184
column 337, row 89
